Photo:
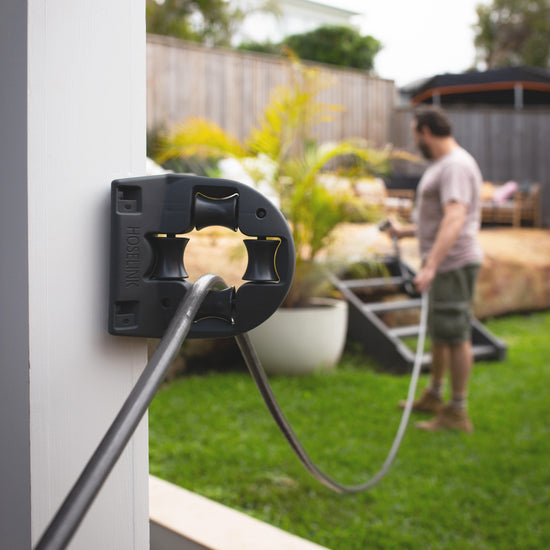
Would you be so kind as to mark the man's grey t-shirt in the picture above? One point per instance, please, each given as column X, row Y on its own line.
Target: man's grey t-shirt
column 454, row 177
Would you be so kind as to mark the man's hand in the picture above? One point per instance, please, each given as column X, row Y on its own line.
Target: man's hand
column 424, row 279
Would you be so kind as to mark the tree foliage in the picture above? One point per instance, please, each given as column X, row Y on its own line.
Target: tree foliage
column 513, row 32
column 196, row 20
column 207, row 21
column 336, row 44
column 273, row 48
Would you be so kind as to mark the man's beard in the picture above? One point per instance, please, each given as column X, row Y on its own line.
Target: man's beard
column 425, row 150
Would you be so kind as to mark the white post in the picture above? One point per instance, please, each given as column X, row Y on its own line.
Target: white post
column 518, row 96
column 74, row 73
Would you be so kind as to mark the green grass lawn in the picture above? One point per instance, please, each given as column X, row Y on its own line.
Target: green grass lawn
column 489, row 490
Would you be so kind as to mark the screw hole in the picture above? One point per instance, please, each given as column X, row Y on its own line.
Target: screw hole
column 165, row 302
column 261, row 213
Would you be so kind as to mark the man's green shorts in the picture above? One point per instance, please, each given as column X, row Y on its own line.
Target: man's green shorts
column 450, row 305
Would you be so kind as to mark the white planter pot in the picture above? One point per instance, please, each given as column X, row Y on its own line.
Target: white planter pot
column 302, row 340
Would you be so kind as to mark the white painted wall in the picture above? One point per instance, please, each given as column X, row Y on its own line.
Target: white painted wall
column 85, row 108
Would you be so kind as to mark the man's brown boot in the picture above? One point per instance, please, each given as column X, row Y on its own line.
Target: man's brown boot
column 428, row 402
column 449, row 418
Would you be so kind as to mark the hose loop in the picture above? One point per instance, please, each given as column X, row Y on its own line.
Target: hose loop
column 260, row 378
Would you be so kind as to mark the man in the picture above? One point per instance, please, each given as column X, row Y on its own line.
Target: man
column 448, row 220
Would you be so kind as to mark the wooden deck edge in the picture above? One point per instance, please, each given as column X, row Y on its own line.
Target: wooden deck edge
column 183, row 520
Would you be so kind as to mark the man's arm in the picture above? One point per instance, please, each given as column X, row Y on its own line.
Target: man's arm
column 399, row 230
column 453, row 219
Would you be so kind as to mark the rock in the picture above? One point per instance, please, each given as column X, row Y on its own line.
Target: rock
column 514, row 277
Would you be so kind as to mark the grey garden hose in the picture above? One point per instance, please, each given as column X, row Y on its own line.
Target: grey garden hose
column 71, row 513
column 75, row 506
column 258, row 374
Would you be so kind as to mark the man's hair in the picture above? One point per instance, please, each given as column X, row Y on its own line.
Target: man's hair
column 435, row 119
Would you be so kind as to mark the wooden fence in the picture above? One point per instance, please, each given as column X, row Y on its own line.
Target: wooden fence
column 232, row 88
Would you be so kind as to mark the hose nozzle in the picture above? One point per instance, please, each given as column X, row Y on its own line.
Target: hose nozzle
column 384, row 226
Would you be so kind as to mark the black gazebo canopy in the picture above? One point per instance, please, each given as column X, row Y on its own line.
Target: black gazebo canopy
column 511, row 86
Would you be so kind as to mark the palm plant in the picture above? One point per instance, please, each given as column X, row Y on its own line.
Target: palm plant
column 281, row 150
